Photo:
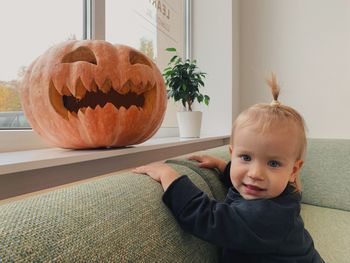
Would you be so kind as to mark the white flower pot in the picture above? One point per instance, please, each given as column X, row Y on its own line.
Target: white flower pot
column 189, row 123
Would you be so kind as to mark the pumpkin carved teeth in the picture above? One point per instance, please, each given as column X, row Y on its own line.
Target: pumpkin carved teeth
column 80, row 90
column 99, row 97
column 138, row 88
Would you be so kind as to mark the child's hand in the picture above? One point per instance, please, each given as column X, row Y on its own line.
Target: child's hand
column 160, row 172
column 207, row 161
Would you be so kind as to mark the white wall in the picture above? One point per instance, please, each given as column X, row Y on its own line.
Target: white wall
column 213, row 47
column 307, row 43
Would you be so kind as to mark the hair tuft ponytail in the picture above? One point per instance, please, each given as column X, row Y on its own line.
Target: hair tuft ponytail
column 275, row 88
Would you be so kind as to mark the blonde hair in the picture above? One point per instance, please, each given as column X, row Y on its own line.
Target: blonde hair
column 267, row 116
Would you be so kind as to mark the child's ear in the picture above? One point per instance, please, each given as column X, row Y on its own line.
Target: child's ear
column 296, row 169
column 230, row 149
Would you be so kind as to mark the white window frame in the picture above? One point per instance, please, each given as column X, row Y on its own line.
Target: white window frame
column 94, row 15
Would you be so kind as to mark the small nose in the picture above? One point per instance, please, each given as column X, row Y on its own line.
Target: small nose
column 256, row 171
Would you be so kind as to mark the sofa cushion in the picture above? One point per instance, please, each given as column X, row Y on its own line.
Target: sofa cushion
column 119, row 218
column 330, row 231
column 326, row 175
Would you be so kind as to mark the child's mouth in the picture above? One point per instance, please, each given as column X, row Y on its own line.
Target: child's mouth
column 253, row 187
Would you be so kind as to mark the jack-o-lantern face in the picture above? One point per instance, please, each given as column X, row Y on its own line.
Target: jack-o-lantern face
column 88, row 94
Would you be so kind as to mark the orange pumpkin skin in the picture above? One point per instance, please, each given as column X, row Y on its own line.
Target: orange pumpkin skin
column 90, row 93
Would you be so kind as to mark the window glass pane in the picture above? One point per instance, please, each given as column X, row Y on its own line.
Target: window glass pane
column 28, row 29
column 150, row 26
column 147, row 25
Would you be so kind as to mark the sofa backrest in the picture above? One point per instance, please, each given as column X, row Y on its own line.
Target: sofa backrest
column 325, row 176
column 119, row 218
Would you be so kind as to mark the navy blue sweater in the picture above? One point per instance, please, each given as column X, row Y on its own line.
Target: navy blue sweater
column 262, row 230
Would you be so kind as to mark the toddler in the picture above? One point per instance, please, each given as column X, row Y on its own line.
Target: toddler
column 259, row 221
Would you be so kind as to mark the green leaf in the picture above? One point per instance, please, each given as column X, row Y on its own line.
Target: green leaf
column 171, row 49
column 206, row 100
column 200, row 98
column 183, row 102
column 170, row 93
column 173, row 59
column 177, row 96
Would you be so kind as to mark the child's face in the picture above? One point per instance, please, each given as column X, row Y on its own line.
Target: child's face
column 264, row 163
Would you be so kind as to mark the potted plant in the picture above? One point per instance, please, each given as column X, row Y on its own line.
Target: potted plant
column 183, row 80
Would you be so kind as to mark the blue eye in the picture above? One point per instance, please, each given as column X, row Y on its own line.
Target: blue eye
column 245, row 158
column 273, row 163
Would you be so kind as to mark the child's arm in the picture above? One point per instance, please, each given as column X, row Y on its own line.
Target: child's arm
column 160, row 172
column 222, row 224
column 241, row 225
column 207, row 161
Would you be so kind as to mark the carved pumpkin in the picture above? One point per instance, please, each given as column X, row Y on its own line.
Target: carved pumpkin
column 88, row 94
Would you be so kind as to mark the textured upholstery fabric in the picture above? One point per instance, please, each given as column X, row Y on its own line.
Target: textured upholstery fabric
column 326, row 174
column 210, row 176
column 330, row 230
column 120, row 218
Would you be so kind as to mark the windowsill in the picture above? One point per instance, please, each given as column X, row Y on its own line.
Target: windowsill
column 18, row 161
column 27, row 171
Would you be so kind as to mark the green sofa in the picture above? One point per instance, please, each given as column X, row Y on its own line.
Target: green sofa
column 121, row 218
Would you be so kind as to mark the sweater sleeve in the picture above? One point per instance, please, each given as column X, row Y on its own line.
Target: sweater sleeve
column 249, row 227
column 225, row 176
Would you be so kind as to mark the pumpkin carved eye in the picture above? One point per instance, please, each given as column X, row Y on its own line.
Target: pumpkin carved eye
column 137, row 58
column 80, row 54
